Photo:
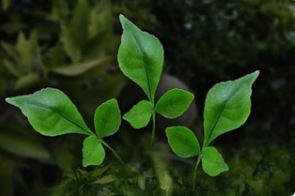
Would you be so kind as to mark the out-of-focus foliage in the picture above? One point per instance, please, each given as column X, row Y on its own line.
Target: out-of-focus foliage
column 71, row 47
column 223, row 39
column 65, row 44
column 205, row 42
column 23, row 60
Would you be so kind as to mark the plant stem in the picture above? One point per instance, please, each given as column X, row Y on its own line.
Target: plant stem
column 113, row 151
column 195, row 172
column 154, row 127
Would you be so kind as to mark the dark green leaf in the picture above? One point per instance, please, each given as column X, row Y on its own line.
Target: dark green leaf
column 93, row 151
column 227, row 106
column 26, row 49
column 81, row 68
column 139, row 115
column 50, row 112
column 7, row 176
column 23, row 146
column 107, row 118
column 174, row 103
column 140, row 57
column 212, row 161
column 80, row 22
column 26, row 81
column 183, row 141
column 70, row 44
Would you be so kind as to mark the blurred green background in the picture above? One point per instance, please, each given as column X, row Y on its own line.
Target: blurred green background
column 72, row 45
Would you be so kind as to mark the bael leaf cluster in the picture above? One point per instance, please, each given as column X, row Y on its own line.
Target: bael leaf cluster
column 227, row 107
column 52, row 113
column 141, row 58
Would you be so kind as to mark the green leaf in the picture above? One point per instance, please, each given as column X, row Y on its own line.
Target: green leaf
column 26, row 81
column 227, row 106
column 70, row 45
column 183, row 141
column 82, row 68
column 140, row 57
column 26, row 49
column 11, row 51
column 50, row 112
column 212, row 162
column 80, row 22
column 174, row 103
column 23, row 146
column 93, row 151
column 107, row 118
column 139, row 115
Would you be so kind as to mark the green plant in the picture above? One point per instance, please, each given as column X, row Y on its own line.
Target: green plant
column 227, row 107
column 88, row 34
column 52, row 113
column 140, row 58
column 23, row 61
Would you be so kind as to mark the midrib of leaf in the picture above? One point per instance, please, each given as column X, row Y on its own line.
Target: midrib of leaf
column 40, row 105
column 219, row 114
column 145, row 65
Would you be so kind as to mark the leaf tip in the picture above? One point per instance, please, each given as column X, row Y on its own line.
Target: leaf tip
column 256, row 74
column 121, row 16
column 11, row 101
column 191, row 95
column 122, row 19
column 114, row 100
column 8, row 100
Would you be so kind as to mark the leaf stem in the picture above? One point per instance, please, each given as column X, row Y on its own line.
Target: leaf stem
column 195, row 172
column 113, row 151
column 153, row 128
column 89, row 132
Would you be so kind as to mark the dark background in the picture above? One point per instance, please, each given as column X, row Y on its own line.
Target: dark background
column 72, row 45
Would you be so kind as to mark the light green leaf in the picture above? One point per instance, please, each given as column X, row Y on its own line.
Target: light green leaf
column 50, row 112
column 183, row 141
column 75, row 34
column 104, row 180
column 212, row 162
column 140, row 57
column 93, row 151
column 70, row 45
column 139, row 115
column 107, row 118
column 174, row 103
column 82, row 68
column 227, row 106
column 26, row 49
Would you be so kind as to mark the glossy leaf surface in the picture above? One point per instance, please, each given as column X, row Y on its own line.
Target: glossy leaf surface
column 183, row 141
column 174, row 103
column 93, row 151
column 227, row 106
column 50, row 112
column 107, row 118
column 140, row 57
column 212, row 161
column 139, row 115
